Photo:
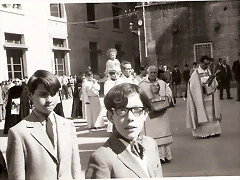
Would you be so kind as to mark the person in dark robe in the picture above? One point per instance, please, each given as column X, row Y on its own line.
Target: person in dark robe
column 24, row 100
column 17, row 107
column 59, row 107
column 3, row 167
column 77, row 102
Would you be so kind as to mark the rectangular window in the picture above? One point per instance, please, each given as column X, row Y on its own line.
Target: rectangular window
column 13, row 38
column 56, row 10
column 93, row 56
column 15, row 63
column 59, row 61
column 60, row 56
column 118, row 47
column 91, row 12
column 93, row 46
column 58, row 42
column 201, row 49
column 15, row 54
column 12, row 6
column 116, row 12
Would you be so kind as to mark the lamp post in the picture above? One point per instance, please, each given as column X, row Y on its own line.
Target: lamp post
column 138, row 32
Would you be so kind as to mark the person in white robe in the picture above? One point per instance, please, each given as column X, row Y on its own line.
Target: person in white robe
column 91, row 102
column 157, row 124
column 203, row 106
column 110, row 83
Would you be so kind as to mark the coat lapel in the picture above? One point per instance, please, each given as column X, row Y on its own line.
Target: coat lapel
column 38, row 133
column 126, row 158
column 60, row 139
column 149, row 156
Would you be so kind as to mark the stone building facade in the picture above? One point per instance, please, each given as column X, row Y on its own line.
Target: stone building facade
column 33, row 36
column 89, row 41
column 180, row 32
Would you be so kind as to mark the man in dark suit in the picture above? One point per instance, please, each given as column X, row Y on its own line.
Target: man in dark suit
column 127, row 153
column 219, row 65
column 176, row 80
column 186, row 77
column 236, row 70
column 225, row 76
column 212, row 66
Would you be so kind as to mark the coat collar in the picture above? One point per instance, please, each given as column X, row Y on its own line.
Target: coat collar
column 126, row 158
column 146, row 79
column 37, row 131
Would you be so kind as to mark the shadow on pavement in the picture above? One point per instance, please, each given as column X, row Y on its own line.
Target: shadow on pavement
column 84, row 158
column 81, row 128
column 86, row 151
column 90, row 146
column 100, row 133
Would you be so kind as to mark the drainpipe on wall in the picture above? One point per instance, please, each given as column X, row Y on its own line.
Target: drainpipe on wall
column 144, row 31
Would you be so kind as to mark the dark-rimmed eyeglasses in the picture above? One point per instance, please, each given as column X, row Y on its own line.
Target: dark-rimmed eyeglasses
column 137, row 111
column 112, row 73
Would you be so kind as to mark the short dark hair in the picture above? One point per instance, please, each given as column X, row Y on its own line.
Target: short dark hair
column 88, row 73
column 203, row 58
column 194, row 63
column 176, row 65
column 123, row 63
column 186, row 65
column 50, row 82
column 142, row 68
column 117, row 97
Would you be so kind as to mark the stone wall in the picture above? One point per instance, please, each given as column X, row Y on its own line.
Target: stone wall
column 196, row 23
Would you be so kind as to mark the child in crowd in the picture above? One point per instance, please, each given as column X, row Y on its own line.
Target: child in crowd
column 43, row 145
column 112, row 63
column 127, row 153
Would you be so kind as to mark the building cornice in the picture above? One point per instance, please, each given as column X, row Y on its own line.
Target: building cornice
column 155, row 3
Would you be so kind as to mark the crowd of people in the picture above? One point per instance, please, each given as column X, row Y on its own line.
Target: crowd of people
column 43, row 144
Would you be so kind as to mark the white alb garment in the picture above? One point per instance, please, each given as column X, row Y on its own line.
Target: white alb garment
column 15, row 109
